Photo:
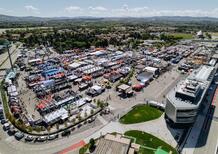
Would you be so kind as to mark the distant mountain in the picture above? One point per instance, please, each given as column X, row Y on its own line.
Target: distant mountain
column 6, row 18
column 183, row 18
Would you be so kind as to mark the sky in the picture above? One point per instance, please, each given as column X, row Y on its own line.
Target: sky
column 109, row 8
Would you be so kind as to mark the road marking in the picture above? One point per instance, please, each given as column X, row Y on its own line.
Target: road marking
column 72, row 147
column 214, row 97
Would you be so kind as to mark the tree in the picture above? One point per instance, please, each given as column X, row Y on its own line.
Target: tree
column 79, row 117
column 113, row 41
column 208, row 35
column 101, row 43
column 49, row 128
column 91, row 145
column 57, row 126
column 29, row 128
column 73, row 120
column 92, row 111
column 65, row 124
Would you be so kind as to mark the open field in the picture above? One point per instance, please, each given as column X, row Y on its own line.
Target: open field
column 141, row 113
column 182, row 35
column 149, row 141
column 214, row 33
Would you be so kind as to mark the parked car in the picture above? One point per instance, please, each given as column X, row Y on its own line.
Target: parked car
column 138, row 87
column 19, row 135
column 66, row 133
column 6, row 126
column 3, row 121
column 79, row 125
column 52, row 137
column 88, row 100
column 90, row 120
column 29, row 138
column 12, row 131
column 2, row 117
column 73, row 128
column 41, row 139
column 83, row 86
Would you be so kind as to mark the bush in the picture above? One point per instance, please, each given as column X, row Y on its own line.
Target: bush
column 29, row 129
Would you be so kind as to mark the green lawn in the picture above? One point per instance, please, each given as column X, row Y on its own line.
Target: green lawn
column 182, row 35
column 4, row 100
column 150, row 141
column 141, row 113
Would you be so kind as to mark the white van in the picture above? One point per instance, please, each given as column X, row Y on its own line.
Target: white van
column 6, row 126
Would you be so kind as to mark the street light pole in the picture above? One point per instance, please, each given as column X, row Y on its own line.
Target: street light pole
column 9, row 55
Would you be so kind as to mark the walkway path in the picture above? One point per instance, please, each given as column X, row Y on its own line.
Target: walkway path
column 156, row 127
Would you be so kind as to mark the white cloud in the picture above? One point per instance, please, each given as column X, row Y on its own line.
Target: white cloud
column 141, row 11
column 32, row 9
column 98, row 8
column 72, row 9
column 5, row 11
column 195, row 13
column 125, row 10
column 125, row 7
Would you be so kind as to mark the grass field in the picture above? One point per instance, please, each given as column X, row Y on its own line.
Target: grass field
column 150, row 141
column 214, row 33
column 182, row 35
column 141, row 113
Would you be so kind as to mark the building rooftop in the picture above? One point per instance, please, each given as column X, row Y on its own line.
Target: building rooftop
column 111, row 144
column 190, row 92
column 145, row 76
column 202, row 74
column 190, row 89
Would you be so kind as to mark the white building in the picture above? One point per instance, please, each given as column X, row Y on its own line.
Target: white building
column 184, row 100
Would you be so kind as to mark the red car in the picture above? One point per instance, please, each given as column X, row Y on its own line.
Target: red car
column 137, row 87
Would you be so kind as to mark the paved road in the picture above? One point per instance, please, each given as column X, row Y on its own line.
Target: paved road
column 208, row 140
column 8, row 145
column 156, row 127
